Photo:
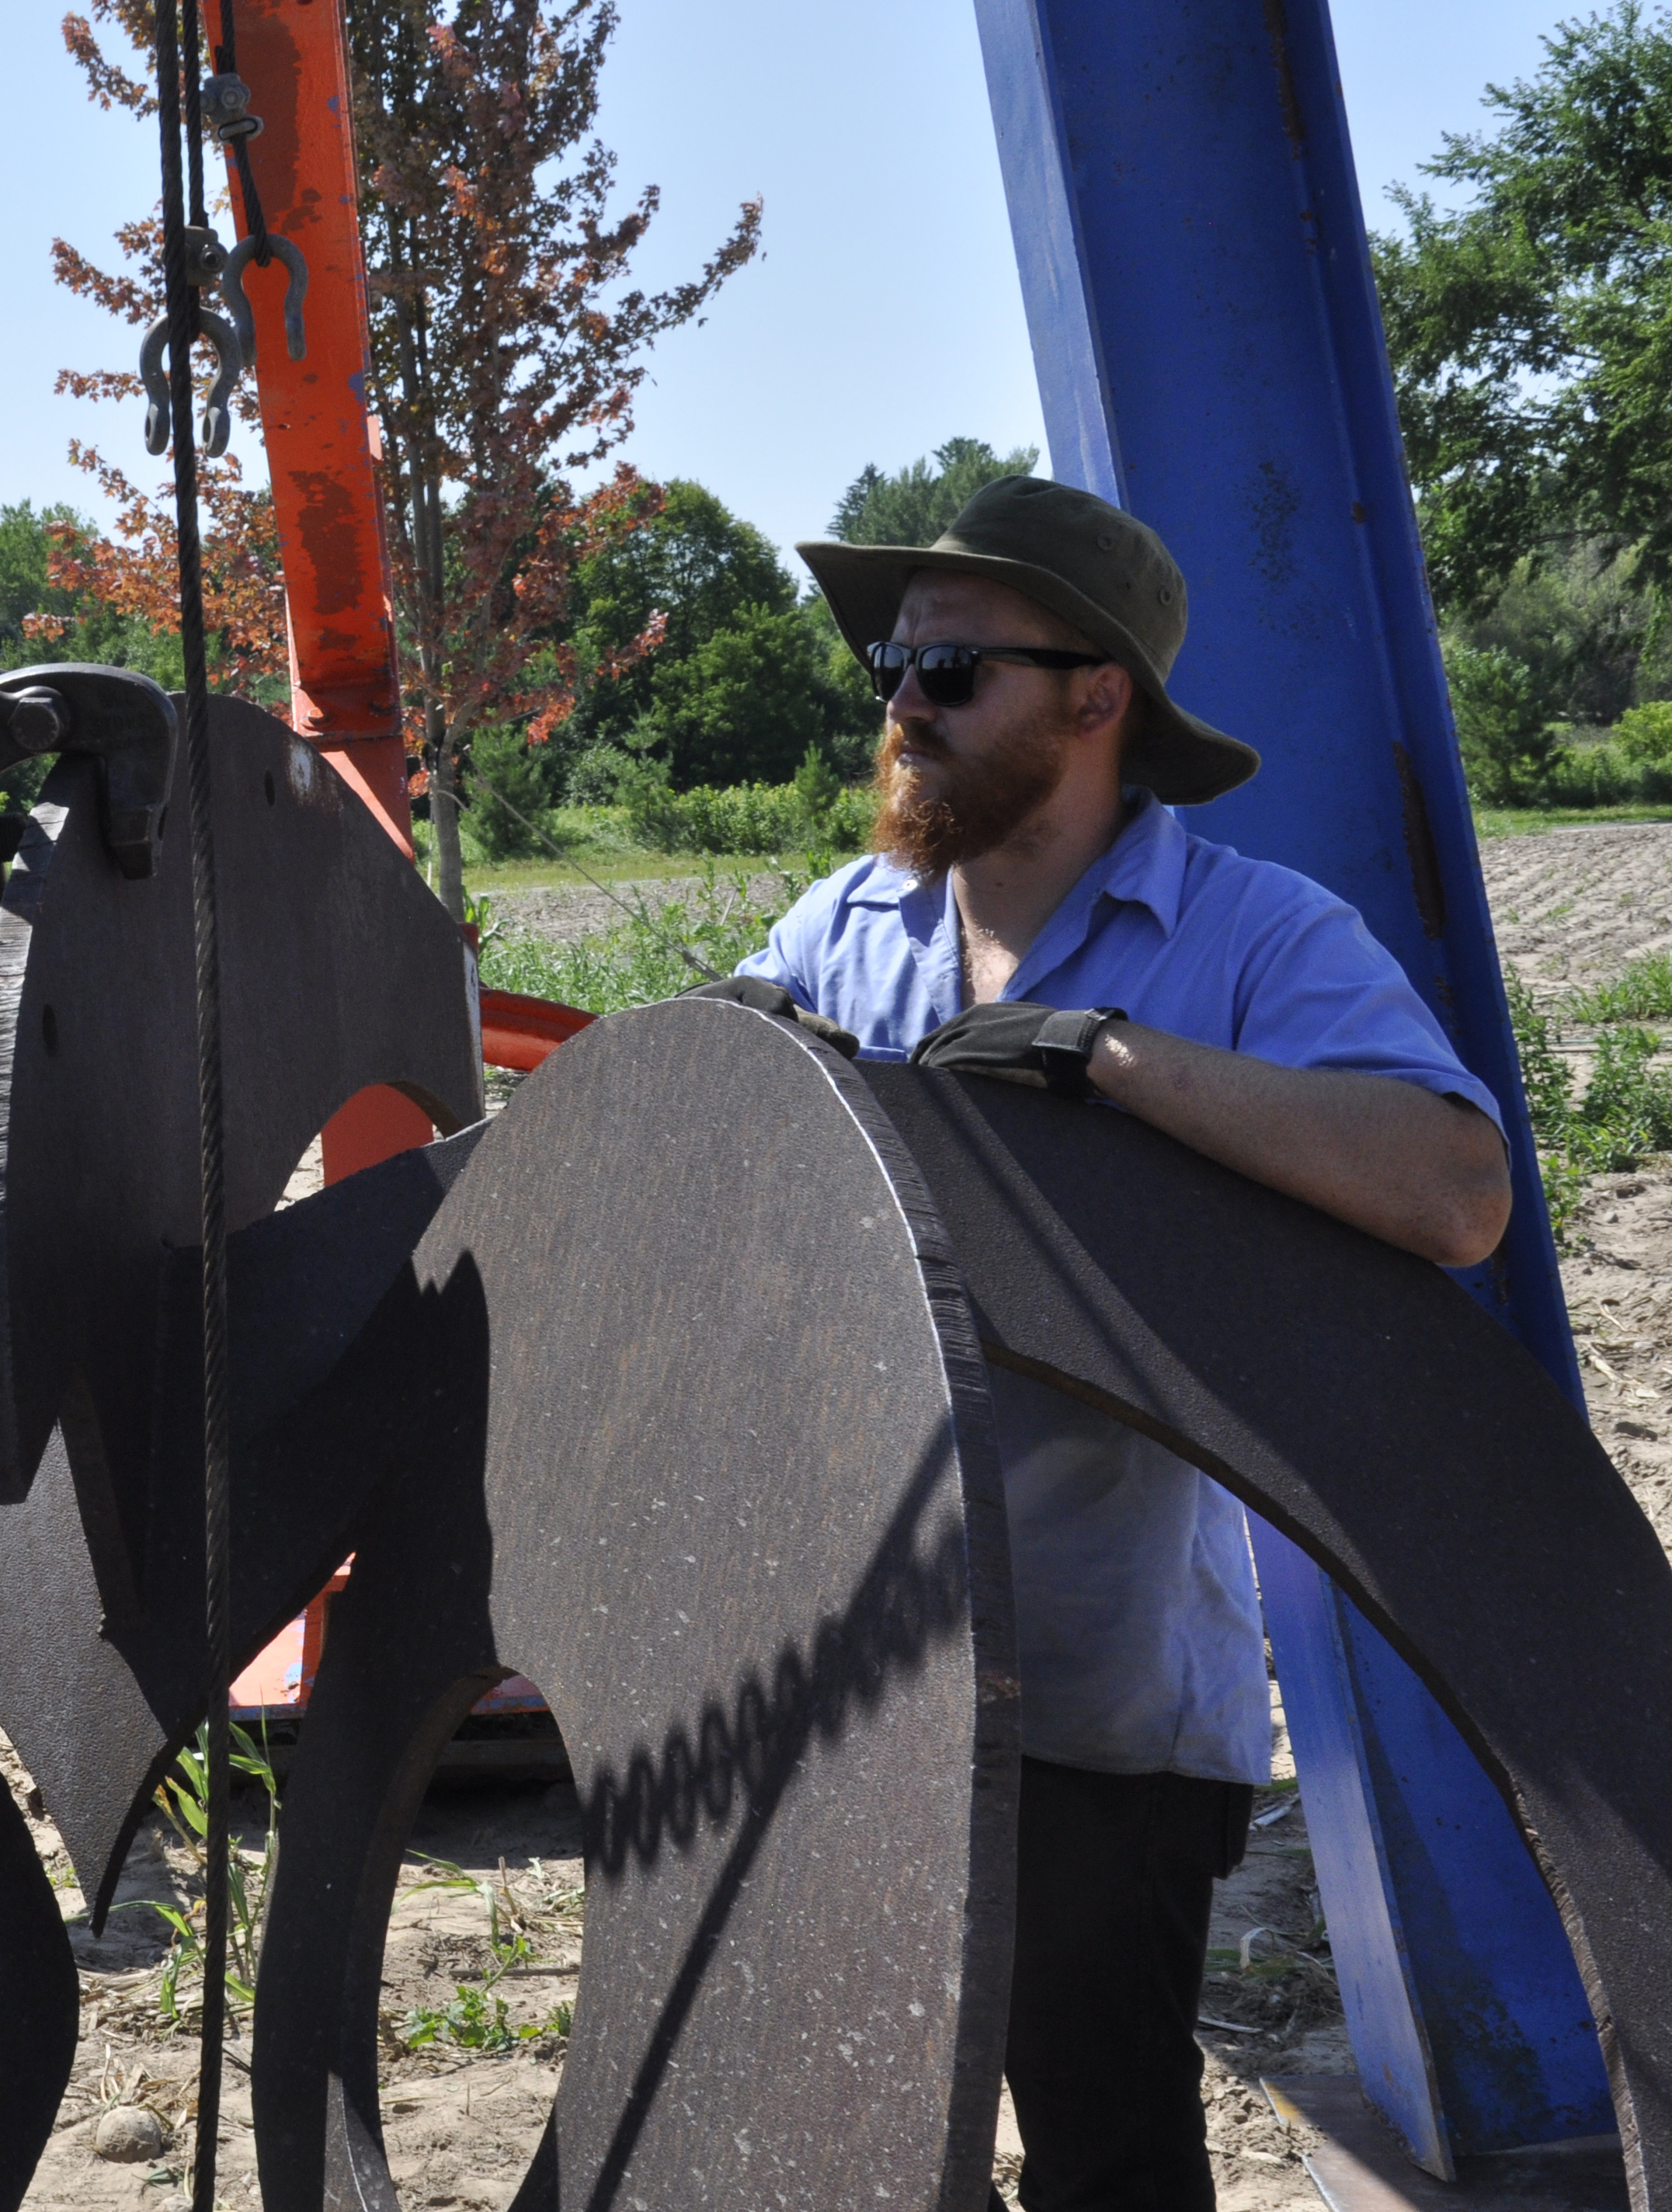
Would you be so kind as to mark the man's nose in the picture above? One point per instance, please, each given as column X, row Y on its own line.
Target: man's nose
column 908, row 703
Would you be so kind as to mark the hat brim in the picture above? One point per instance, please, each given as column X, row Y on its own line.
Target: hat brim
column 1182, row 760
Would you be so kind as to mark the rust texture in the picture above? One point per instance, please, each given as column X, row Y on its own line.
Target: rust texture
column 1424, row 861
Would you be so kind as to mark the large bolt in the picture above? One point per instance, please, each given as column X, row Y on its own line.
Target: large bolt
column 38, row 721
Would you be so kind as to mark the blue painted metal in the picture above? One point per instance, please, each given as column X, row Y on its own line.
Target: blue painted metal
column 1455, row 1976
column 1209, row 351
column 1384, row 2015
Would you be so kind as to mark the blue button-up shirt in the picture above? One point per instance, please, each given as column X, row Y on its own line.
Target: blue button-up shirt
column 1137, row 1622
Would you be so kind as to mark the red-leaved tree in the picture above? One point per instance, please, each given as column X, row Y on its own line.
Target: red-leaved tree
column 508, row 342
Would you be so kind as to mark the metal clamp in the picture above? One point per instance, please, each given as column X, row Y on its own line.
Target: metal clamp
column 205, row 256
column 128, row 725
column 238, row 307
column 216, row 428
column 225, row 106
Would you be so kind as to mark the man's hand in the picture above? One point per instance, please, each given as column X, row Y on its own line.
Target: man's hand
column 1425, row 1172
column 772, row 998
column 1019, row 1042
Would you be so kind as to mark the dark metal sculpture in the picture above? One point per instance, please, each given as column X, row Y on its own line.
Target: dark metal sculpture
column 666, row 1390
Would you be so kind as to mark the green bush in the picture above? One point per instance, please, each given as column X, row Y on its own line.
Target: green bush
column 1605, row 775
column 1644, row 734
column 504, row 766
column 1508, row 745
column 742, row 817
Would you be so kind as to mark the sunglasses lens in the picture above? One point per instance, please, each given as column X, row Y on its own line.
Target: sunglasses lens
column 888, row 664
column 947, row 674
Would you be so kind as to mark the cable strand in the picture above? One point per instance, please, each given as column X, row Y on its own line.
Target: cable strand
column 226, row 60
column 210, row 1105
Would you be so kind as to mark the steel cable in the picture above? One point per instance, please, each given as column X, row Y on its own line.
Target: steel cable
column 180, row 302
column 226, row 60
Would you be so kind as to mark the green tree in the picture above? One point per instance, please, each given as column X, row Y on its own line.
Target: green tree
column 1530, row 331
column 692, row 563
column 1584, row 625
column 913, row 505
column 744, row 706
column 1503, row 727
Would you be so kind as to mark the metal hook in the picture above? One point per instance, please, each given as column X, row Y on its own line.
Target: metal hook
column 238, row 307
column 216, row 427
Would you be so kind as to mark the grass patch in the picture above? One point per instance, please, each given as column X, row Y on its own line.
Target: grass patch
column 1641, row 992
column 1528, row 821
column 640, row 960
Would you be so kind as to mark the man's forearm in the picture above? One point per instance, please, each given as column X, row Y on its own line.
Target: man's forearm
column 1424, row 1172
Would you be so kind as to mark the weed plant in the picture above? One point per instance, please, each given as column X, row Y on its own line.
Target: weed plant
column 1641, row 992
column 475, row 2020
column 183, row 1797
column 1623, row 1118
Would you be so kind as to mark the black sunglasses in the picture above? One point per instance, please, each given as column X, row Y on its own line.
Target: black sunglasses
column 947, row 672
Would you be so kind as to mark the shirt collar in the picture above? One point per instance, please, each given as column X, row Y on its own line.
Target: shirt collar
column 1145, row 867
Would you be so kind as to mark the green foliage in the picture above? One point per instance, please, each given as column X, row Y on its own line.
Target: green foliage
column 818, row 789
column 1586, row 625
column 1604, row 776
column 694, row 563
column 638, row 961
column 857, row 722
column 914, row 505
column 94, row 632
column 1641, row 992
column 1531, row 331
column 745, row 702
column 747, row 818
column 1625, row 1116
column 503, row 766
column 1507, row 743
column 1645, row 732
column 183, row 1796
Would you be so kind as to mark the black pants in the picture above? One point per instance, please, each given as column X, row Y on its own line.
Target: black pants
column 1115, row 1882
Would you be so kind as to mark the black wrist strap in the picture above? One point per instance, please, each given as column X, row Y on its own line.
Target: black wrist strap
column 1064, row 1045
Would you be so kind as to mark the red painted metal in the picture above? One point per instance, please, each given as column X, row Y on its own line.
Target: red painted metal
column 321, row 443
column 520, row 1032
column 322, row 446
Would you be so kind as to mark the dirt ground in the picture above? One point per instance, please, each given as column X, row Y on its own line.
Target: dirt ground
column 1570, row 906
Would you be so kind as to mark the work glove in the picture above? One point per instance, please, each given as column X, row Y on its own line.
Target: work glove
column 772, row 998
column 1020, row 1043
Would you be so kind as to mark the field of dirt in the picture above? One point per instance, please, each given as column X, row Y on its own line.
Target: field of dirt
column 1570, row 906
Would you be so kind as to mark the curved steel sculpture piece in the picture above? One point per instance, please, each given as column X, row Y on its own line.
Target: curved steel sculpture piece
column 731, row 1501
column 100, row 1542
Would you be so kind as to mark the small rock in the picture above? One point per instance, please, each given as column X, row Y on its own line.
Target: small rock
column 128, row 2133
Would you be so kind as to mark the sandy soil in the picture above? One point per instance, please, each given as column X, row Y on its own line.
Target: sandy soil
column 1572, row 906
column 1569, row 906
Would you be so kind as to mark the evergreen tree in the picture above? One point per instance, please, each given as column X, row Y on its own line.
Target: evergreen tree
column 913, row 506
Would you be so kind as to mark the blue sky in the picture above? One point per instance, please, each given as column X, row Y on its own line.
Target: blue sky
column 885, row 315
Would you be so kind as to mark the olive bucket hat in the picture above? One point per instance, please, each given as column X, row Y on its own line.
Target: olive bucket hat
column 1100, row 570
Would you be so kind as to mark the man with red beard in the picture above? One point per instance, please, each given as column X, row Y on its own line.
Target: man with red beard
column 1032, row 910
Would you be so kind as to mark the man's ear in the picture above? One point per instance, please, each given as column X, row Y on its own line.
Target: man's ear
column 1108, row 699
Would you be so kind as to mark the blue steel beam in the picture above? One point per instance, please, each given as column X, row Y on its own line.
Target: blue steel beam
column 1210, row 355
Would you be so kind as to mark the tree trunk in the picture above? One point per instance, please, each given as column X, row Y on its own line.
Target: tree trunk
column 444, row 813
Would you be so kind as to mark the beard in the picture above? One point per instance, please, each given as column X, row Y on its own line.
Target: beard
column 977, row 803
